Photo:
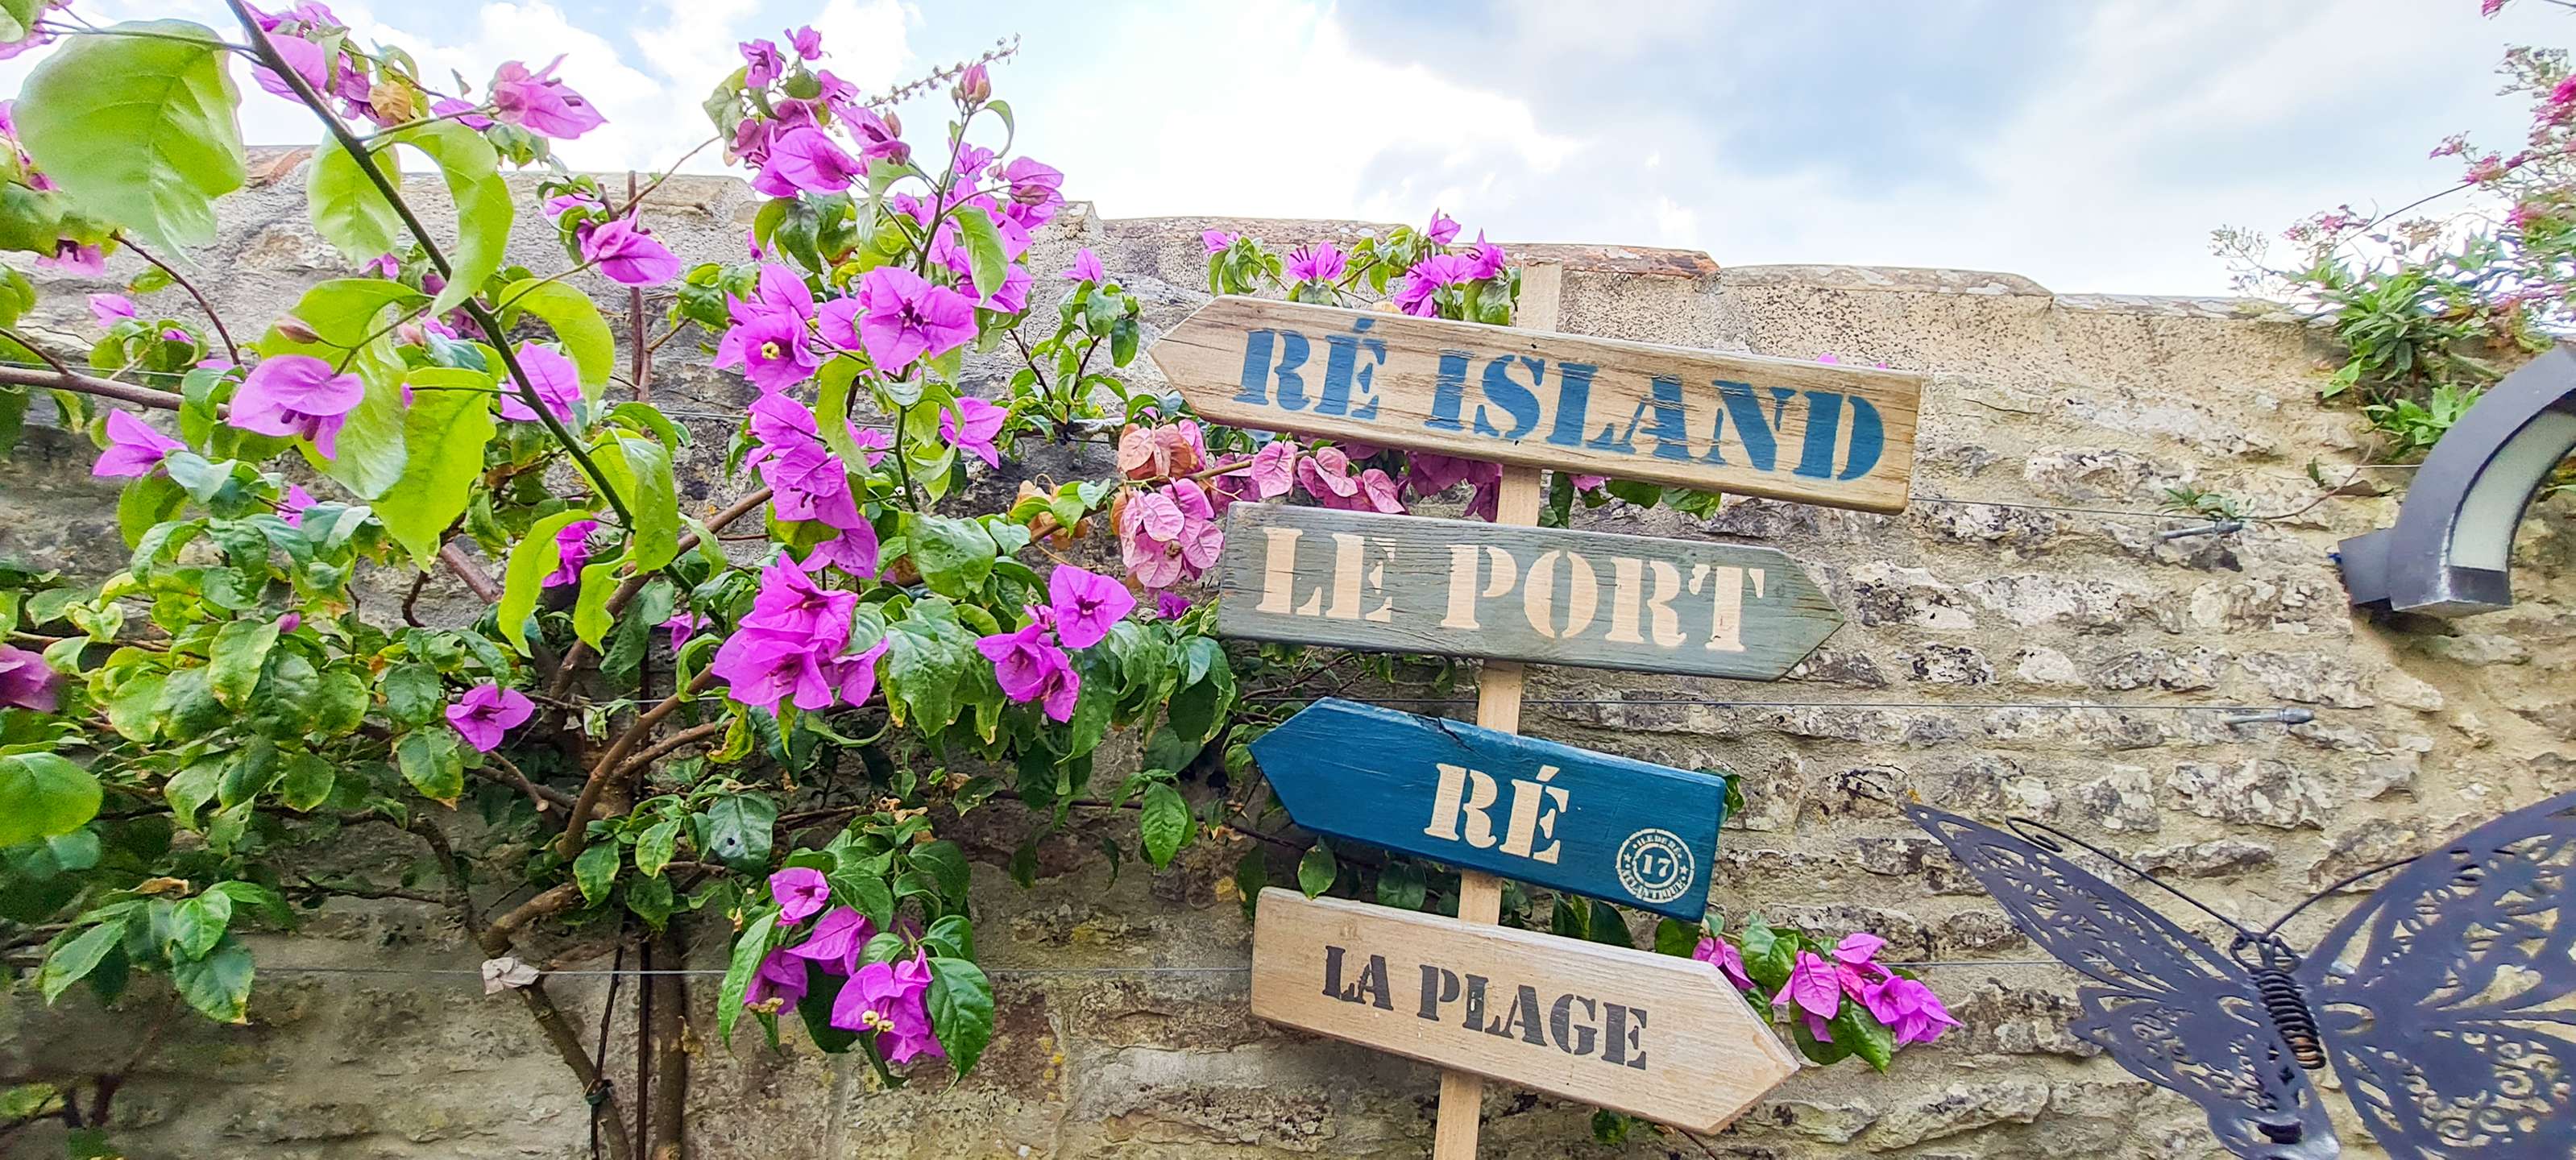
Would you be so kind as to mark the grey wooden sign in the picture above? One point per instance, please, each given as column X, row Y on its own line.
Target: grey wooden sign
column 1464, row 588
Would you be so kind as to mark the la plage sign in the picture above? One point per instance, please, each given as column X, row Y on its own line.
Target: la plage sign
column 1787, row 429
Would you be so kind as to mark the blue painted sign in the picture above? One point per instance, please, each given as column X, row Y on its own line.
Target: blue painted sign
column 1615, row 828
column 1816, row 432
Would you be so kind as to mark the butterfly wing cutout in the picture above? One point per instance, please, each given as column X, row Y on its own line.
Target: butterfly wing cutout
column 2166, row 1005
column 2447, row 1000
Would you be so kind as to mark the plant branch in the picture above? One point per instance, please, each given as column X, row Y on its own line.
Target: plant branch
column 663, row 748
column 615, row 759
column 509, row 775
column 217, row 320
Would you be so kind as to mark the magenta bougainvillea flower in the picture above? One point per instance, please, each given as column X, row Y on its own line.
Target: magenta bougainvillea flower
column 1273, row 469
column 807, row 42
column 1486, row 260
column 1086, row 604
column 133, row 447
column 839, row 937
column 1169, row 534
column 907, row 318
column 572, row 550
column 1910, row 1009
column 1444, row 229
column 1318, row 263
column 806, row 159
column 541, row 104
column 26, row 681
column 972, row 426
column 682, row 625
column 297, row 396
column 72, row 257
column 110, row 309
column 1086, row 267
column 877, row 136
column 808, row 482
column 1215, row 240
column 1030, row 666
column 780, row 977
column 761, row 63
column 1170, row 605
column 627, row 254
column 788, row 646
column 790, row 604
column 1719, row 953
column 890, row 1000
column 555, row 379
column 800, row 892
column 486, row 712
column 1424, row 280
column 767, row 341
column 1812, row 987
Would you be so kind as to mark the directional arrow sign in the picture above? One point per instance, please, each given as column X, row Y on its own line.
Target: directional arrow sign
column 1465, row 588
column 1658, row 1036
column 1629, row 831
column 1822, row 433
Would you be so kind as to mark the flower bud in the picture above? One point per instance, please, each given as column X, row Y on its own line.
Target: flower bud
column 893, row 124
column 974, row 86
column 295, row 328
column 410, row 334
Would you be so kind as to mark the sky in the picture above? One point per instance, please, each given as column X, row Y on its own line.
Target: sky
column 2089, row 146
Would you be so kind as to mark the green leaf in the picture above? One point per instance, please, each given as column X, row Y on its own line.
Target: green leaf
column 412, row 694
column 1675, row 937
column 1251, row 876
column 952, row 936
column 444, row 432
column 595, row 871
column 640, row 470
column 342, row 703
column 346, row 312
column 308, row 782
column 577, row 324
column 534, row 559
column 946, row 865
column 748, row 950
column 1855, row 1028
column 198, row 923
column 72, row 961
column 1316, row 869
column 131, row 711
column 42, row 795
column 145, row 502
column 961, row 1010
column 471, row 168
column 955, row 555
column 431, row 764
column 17, row 19
column 983, row 249
column 345, row 207
column 1608, row 926
column 1165, row 823
column 590, row 608
column 241, row 651
column 654, row 848
column 217, row 985
column 1402, row 885
column 138, row 129
column 738, row 830
column 191, row 788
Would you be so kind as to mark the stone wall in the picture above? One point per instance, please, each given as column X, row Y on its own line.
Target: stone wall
column 1123, row 1028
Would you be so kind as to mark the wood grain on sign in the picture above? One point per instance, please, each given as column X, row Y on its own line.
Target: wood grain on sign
column 1658, row 1036
column 1818, row 432
column 1615, row 828
column 1468, row 588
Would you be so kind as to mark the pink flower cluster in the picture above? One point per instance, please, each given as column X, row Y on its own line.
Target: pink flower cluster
column 1817, row 987
column 789, row 647
column 486, row 712
column 1169, row 534
column 534, row 101
column 1031, row 664
column 1418, row 293
column 888, row 1000
column 808, row 482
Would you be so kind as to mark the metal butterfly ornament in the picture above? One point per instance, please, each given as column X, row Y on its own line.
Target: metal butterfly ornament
column 2446, row 1001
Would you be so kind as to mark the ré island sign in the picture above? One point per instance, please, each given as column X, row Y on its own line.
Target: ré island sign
column 1466, row 588
column 1611, row 827
column 1820, row 433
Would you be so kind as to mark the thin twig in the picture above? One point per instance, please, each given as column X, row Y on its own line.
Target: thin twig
column 229, row 346
column 615, row 759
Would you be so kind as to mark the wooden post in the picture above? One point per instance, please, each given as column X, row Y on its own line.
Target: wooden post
column 1498, row 706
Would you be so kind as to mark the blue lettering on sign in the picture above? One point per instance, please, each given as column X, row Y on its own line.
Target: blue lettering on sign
column 1513, row 403
column 1520, row 401
column 1339, row 367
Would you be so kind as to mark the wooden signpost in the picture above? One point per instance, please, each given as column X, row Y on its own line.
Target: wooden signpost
column 1818, row 432
column 1632, row 832
column 1468, row 588
column 1652, row 1035
column 1656, row 1036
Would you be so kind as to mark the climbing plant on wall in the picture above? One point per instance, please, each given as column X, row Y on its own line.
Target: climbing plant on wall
column 752, row 722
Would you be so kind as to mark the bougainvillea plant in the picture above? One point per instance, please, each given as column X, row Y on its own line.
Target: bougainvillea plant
column 749, row 722
column 2436, row 299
